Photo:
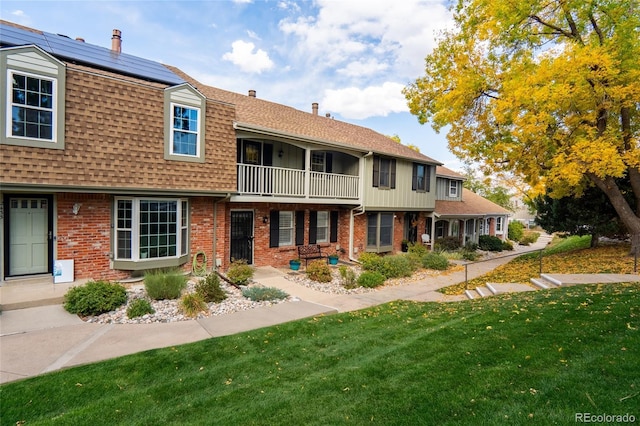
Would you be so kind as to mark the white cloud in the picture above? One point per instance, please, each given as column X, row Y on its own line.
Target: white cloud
column 363, row 67
column 243, row 56
column 253, row 35
column 346, row 32
column 373, row 101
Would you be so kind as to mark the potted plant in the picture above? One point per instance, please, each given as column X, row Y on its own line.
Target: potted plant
column 294, row 264
column 333, row 259
column 404, row 245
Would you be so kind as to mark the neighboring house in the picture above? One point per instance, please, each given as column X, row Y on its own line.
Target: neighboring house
column 464, row 214
column 123, row 164
column 522, row 212
column 304, row 178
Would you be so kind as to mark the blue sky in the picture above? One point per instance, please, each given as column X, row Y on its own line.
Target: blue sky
column 353, row 57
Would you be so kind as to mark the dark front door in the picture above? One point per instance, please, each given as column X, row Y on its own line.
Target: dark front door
column 242, row 236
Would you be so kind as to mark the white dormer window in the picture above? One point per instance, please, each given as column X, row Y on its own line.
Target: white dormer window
column 32, row 95
column 185, row 112
column 453, row 188
column 185, row 137
column 32, row 107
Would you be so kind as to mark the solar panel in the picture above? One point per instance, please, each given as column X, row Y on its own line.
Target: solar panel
column 77, row 51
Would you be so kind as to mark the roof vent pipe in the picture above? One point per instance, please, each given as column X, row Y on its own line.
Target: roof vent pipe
column 80, row 39
column 116, row 41
column 314, row 108
column 252, row 93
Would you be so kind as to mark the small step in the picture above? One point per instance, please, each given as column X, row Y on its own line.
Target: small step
column 542, row 283
column 484, row 291
column 551, row 279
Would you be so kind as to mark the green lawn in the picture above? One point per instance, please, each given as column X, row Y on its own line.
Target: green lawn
column 528, row 358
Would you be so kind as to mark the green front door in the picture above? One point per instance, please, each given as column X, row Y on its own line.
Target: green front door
column 29, row 235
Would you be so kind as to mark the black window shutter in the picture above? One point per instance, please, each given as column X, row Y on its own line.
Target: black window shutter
column 427, row 173
column 329, row 161
column 267, row 153
column 376, row 171
column 392, row 180
column 313, row 227
column 239, row 143
column 333, row 227
column 274, row 228
column 300, row 227
column 414, row 177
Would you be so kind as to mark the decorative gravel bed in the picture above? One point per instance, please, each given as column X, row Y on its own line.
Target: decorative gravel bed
column 169, row 311
column 335, row 285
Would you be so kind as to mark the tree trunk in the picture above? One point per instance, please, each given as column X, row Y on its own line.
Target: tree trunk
column 595, row 240
column 625, row 212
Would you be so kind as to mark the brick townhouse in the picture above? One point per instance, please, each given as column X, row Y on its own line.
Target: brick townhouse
column 123, row 165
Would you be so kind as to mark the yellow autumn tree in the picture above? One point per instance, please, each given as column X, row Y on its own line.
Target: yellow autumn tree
column 546, row 90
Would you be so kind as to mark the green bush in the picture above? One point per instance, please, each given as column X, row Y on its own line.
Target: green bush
column 347, row 276
column 164, row 285
column 469, row 255
column 529, row 238
column 470, row 246
column 396, row 266
column 448, row 244
column 370, row 261
column 139, row 307
column 192, row 304
column 240, row 272
column 260, row 294
column 435, row 261
column 507, row 245
column 95, row 298
column 516, row 230
column 371, row 279
column 209, row 289
column 489, row 243
column 418, row 249
column 319, row 271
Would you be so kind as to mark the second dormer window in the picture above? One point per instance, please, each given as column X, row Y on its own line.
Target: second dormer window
column 453, row 188
column 185, row 137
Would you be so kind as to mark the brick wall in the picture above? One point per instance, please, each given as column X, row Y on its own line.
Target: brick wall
column 85, row 237
column 280, row 256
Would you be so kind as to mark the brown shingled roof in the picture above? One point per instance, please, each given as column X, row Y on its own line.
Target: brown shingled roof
column 286, row 120
column 472, row 204
column 443, row 171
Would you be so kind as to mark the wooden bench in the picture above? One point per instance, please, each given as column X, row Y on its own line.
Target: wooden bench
column 310, row 252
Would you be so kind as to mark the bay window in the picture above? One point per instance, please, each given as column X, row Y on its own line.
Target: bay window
column 151, row 229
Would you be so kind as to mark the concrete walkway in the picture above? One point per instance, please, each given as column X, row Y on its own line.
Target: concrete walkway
column 39, row 339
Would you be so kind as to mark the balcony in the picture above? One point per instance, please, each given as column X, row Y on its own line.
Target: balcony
column 295, row 183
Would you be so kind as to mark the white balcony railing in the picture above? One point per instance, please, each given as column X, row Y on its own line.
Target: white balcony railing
column 278, row 181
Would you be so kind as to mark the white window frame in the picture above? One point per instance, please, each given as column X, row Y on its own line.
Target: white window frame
column 318, row 161
column 290, row 229
column 499, row 225
column 453, row 188
column 181, row 234
column 175, row 105
column 11, row 104
column 322, row 224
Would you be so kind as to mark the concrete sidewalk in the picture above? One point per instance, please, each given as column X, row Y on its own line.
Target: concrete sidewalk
column 39, row 339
